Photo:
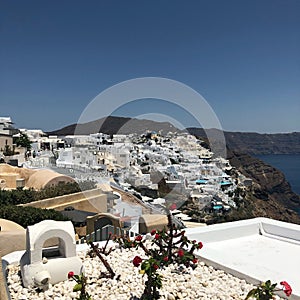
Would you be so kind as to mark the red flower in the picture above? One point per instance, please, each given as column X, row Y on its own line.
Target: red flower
column 157, row 236
column 155, row 266
column 165, row 258
column 137, row 261
column 286, row 288
column 70, row 274
column 173, row 206
column 153, row 231
column 138, row 238
column 200, row 245
column 180, row 253
column 195, row 260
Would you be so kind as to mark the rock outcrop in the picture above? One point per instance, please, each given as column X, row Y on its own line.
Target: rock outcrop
column 256, row 143
column 270, row 195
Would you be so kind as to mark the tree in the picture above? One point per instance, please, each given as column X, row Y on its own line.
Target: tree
column 22, row 141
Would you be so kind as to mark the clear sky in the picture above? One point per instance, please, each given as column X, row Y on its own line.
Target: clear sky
column 242, row 56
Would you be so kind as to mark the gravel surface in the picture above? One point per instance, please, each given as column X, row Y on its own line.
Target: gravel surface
column 204, row 282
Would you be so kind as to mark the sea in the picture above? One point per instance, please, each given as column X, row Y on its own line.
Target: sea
column 289, row 165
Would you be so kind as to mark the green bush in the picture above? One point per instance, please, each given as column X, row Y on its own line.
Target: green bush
column 18, row 196
column 22, row 196
column 26, row 216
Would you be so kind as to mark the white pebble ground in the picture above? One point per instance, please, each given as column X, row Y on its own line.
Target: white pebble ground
column 204, row 282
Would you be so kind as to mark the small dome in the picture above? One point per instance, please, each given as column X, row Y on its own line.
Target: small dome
column 7, row 225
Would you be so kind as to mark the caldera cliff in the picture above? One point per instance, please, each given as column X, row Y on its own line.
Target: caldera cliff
column 270, row 195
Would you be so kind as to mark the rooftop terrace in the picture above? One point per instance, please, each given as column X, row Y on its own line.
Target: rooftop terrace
column 255, row 250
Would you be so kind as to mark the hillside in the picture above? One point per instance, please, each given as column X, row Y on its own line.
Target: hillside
column 114, row 125
column 271, row 195
column 256, row 143
column 248, row 142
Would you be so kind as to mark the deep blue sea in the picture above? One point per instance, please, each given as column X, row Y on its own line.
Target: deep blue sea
column 288, row 164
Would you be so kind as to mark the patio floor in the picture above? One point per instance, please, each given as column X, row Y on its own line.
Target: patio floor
column 255, row 258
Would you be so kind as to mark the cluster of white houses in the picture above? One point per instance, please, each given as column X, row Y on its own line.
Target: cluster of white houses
column 184, row 164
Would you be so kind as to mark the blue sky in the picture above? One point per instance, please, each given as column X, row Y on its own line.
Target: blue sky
column 241, row 56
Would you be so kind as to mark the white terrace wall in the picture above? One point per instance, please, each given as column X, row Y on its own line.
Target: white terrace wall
column 232, row 230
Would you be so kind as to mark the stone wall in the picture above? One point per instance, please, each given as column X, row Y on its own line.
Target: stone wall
column 93, row 201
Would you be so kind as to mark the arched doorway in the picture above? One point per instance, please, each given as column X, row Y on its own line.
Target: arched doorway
column 101, row 222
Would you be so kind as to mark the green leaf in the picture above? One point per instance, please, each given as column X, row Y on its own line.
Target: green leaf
column 273, row 286
column 252, row 293
column 268, row 283
column 189, row 255
column 76, row 277
column 77, row 287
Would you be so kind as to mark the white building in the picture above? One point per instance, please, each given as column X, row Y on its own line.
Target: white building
column 6, row 133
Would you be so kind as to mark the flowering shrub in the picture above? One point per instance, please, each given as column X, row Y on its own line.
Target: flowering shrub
column 137, row 261
column 102, row 250
column 286, row 288
column 168, row 246
column 81, row 281
column 124, row 241
column 266, row 290
column 80, row 286
column 99, row 252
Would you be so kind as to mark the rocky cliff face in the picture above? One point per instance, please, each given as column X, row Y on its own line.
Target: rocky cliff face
column 271, row 195
column 256, row 143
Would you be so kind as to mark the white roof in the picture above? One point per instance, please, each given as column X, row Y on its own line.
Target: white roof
column 256, row 250
column 183, row 217
column 5, row 120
